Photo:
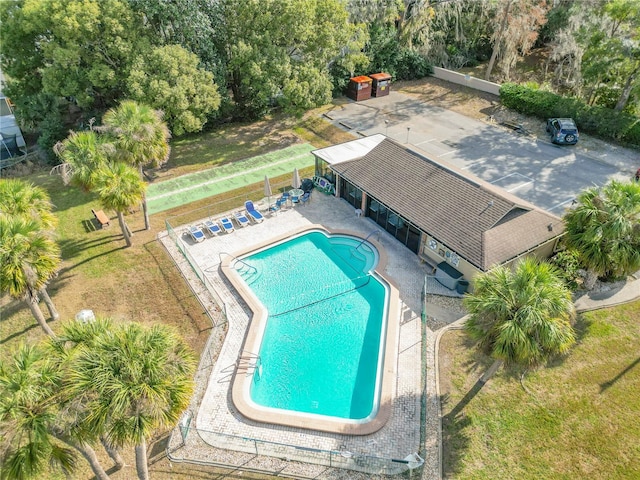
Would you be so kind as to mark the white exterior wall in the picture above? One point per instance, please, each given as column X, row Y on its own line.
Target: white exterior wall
column 467, row 80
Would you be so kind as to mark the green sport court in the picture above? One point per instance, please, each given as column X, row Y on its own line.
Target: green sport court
column 196, row 186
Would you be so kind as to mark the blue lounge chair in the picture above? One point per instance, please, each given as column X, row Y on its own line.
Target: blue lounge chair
column 227, row 226
column 305, row 198
column 212, row 227
column 196, row 233
column 241, row 218
column 252, row 212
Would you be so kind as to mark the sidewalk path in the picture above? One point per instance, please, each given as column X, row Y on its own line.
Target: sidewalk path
column 624, row 293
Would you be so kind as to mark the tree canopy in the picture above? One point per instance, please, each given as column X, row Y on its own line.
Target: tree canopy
column 169, row 79
column 192, row 58
column 521, row 316
column 604, row 230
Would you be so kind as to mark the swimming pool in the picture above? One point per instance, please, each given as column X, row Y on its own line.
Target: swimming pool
column 318, row 353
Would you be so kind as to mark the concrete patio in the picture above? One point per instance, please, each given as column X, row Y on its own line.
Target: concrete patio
column 218, row 423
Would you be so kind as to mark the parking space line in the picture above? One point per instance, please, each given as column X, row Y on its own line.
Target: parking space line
column 506, row 176
column 447, row 153
column 473, row 164
column 520, row 186
column 426, row 141
column 561, row 204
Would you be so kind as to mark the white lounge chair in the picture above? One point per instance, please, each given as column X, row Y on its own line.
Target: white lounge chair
column 227, row 226
column 241, row 218
column 255, row 215
column 212, row 227
column 196, row 233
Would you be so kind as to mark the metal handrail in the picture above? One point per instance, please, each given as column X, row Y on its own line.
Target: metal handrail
column 236, row 260
column 367, row 238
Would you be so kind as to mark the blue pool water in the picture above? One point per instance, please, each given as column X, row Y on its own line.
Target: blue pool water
column 321, row 349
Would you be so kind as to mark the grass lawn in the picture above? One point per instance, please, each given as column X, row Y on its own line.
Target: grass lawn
column 584, row 419
column 141, row 283
column 580, row 420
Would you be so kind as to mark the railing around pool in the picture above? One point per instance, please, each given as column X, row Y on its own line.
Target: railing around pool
column 285, row 455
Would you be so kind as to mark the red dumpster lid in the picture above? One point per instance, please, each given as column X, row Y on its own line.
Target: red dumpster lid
column 380, row 76
column 361, row 79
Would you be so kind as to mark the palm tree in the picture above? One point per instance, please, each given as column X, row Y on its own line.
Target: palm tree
column 135, row 380
column 141, row 138
column 32, row 422
column 85, row 152
column 63, row 350
column 25, row 199
column 119, row 188
column 604, row 228
column 18, row 198
column 521, row 316
column 29, row 258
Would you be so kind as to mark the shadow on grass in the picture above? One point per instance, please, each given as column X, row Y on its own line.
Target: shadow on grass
column 21, row 332
column 455, row 443
column 185, row 295
column 89, row 259
column 604, row 386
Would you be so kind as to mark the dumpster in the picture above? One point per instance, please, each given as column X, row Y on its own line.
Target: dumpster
column 381, row 84
column 359, row 88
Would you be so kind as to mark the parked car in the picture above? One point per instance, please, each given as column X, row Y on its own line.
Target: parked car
column 563, row 131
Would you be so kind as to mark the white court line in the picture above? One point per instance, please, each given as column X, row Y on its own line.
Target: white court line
column 222, row 179
column 561, row 204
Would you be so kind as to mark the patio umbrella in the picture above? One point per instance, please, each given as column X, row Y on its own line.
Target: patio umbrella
column 267, row 190
column 296, row 179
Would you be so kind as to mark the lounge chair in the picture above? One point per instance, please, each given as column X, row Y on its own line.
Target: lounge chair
column 196, row 233
column 255, row 215
column 324, row 185
column 241, row 218
column 305, row 198
column 227, row 226
column 212, row 227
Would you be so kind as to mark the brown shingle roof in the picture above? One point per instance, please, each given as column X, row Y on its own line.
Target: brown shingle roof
column 479, row 221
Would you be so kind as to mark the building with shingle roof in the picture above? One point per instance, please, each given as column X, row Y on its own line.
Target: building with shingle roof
column 446, row 216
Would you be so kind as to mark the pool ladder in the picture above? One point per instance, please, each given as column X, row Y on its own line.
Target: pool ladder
column 249, row 363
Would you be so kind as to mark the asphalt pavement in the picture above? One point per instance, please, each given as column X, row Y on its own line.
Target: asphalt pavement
column 547, row 175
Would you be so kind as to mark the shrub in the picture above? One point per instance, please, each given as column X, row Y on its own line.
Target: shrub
column 410, row 65
column 52, row 130
column 597, row 120
column 568, row 265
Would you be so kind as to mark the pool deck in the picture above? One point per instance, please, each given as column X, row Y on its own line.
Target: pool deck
column 214, row 415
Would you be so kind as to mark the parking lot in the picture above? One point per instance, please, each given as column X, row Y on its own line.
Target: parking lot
column 547, row 175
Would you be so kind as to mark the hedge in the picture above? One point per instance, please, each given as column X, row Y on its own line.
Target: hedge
column 599, row 121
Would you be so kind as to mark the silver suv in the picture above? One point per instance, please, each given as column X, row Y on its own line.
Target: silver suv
column 563, row 131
